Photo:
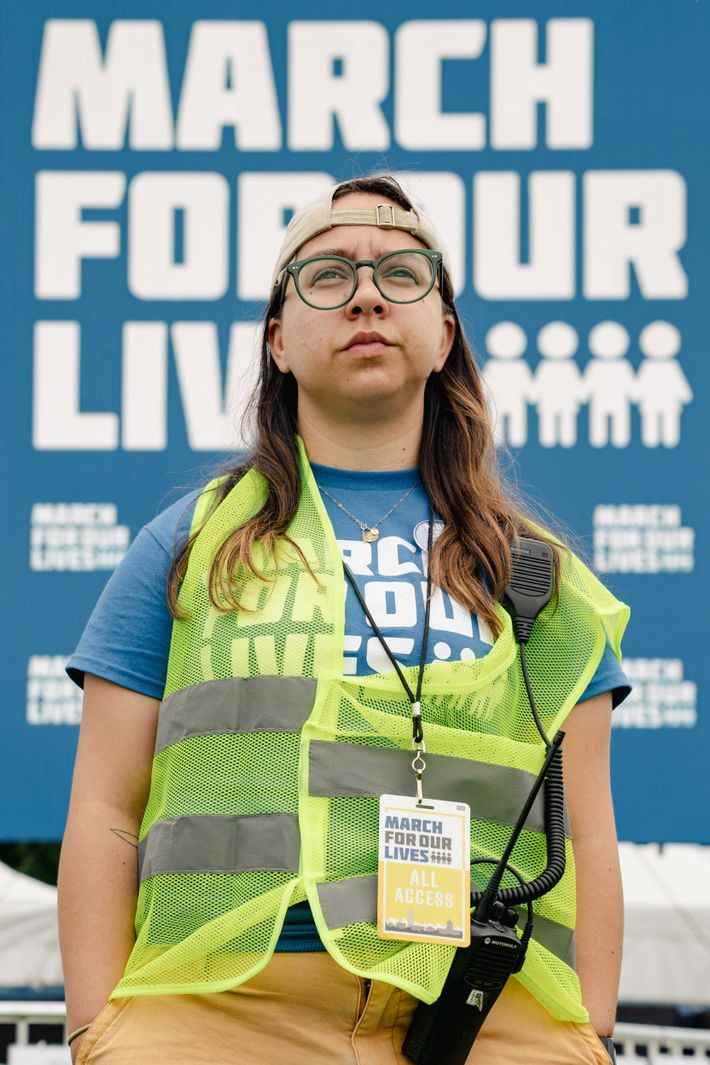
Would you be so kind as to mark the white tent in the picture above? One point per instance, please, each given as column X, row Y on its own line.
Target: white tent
column 29, row 945
column 667, row 924
column 666, row 941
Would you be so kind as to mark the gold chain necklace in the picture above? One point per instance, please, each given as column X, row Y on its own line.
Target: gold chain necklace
column 369, row 532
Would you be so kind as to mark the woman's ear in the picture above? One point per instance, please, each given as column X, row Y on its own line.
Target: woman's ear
column 448, row 333
column 275, row 342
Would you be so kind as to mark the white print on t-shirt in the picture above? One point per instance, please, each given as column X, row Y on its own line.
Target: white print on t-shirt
column 421, row 533
column 398, row 607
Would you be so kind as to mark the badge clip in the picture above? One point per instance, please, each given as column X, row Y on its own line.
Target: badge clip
column 418, row 762
column 418, row 766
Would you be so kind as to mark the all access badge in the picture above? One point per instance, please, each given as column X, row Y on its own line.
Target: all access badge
column 424, row 870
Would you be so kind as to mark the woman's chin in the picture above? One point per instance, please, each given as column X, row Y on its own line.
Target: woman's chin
column 370, row 392
column 371, row 388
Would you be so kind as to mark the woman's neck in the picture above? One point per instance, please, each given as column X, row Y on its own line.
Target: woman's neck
column 369, row 446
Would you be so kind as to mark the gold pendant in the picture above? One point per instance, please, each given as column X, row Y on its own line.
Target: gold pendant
column 369, row 535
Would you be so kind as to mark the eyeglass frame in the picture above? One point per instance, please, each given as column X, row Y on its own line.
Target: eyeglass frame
column 293, row 270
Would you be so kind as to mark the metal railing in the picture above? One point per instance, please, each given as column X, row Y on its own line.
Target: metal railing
column 23, row 1014
column 655, row 1045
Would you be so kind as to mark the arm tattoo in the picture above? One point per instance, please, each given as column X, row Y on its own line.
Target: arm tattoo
column 128, row 837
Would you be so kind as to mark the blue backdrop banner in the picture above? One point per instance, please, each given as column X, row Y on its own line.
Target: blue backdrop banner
column 152, row 156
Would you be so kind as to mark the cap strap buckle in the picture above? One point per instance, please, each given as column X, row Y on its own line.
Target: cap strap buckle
column 386, row 223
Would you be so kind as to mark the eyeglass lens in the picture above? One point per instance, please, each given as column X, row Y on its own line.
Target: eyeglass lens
column 403, row 278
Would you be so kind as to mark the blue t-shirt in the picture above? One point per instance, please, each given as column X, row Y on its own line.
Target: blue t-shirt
column 127, row 637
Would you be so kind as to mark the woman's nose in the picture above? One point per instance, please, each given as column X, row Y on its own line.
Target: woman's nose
column 366, row 296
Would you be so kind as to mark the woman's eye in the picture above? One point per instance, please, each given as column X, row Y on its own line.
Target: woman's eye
column 329, row 274
column 402, row 273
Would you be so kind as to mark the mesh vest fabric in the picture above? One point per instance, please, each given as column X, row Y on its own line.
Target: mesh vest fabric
column 269, row 764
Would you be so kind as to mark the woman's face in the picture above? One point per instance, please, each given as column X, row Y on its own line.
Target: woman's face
column 312, row 344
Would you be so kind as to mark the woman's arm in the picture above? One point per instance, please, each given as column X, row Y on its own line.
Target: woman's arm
column 600, row 904
column 98, row 879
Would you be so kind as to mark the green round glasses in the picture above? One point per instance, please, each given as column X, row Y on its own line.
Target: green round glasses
column 330, row 281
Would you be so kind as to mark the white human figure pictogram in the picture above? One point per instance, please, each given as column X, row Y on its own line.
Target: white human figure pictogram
column 558, row 385
column 662, row 387
column 610, row 386
column 509, row 382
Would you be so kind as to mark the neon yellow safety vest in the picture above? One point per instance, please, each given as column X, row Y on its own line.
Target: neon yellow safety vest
column 269, row 762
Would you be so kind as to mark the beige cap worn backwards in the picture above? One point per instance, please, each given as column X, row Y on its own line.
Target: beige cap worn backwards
column 320, row 215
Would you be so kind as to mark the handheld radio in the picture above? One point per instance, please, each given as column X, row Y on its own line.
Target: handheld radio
column 445, row 1030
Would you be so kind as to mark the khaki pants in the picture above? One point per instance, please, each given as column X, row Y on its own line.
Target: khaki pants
column 304, row 1009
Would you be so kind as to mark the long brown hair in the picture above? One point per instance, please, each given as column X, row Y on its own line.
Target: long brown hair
column 457, row 464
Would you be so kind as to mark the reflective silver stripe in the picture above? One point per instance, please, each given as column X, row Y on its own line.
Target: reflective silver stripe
column 238, row 704
column 349, row 901
column 354, row 901
column 213, row 843
column 551, row 935
column 494, row 792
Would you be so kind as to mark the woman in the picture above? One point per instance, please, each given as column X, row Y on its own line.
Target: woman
column 284, row 710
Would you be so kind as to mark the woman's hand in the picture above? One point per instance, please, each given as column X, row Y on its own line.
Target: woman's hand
column 76, row 1045
column 98, row 869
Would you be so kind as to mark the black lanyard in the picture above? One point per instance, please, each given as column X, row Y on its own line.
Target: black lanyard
column 415, row 700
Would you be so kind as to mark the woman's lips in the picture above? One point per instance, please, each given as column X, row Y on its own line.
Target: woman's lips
column 372, row 348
